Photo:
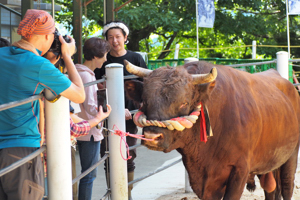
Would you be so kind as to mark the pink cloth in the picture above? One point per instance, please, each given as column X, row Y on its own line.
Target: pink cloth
column 89, row 106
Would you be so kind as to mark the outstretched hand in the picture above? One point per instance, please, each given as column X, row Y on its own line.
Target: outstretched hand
column 102, row 115
column 127, row 114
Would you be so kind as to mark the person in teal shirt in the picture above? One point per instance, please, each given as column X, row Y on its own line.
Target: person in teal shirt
column 24, row 73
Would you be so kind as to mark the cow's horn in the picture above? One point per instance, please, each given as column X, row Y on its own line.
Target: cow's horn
column 138, row 71
column 205, row 78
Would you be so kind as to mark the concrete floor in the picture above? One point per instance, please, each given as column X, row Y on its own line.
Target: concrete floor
column 147, row 161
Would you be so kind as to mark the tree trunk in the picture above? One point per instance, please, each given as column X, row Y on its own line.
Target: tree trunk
column 135, row 36
column 166, row 53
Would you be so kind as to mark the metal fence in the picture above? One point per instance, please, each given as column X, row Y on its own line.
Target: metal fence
column 115, row 174
column 154, row 64
column 256, row 65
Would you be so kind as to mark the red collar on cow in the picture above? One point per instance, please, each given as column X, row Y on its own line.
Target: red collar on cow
column 178, row 123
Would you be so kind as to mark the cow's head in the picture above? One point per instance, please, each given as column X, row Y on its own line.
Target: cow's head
column 168, row 93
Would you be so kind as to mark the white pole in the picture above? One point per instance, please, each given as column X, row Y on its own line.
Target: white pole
column 58, row 148
column 118, row 166
column 283, row 64
column 176, row 54
column 176, row 51
column 104, row 11
column 53, row 9
column 187, row 180
column 288, row 28
column 253, row 49
column 197, row 29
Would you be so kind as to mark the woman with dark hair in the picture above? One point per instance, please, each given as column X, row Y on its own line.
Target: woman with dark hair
column 95, row 51
column 116, row 33
column 4, row 42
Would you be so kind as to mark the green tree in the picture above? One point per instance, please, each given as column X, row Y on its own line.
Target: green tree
column 157, row 25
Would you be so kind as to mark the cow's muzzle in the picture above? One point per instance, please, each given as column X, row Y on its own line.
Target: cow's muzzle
column 156, row 139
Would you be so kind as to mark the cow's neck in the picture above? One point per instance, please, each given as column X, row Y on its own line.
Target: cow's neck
column 193, row 159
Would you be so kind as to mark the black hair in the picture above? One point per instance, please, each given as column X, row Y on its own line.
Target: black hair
column 4, row 42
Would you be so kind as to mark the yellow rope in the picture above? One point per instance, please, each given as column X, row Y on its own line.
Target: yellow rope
column 169, row 124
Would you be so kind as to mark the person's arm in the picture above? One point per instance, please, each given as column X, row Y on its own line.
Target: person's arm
column 96, row 120
column 100, row 116
column 80, row 127
column 76, row 90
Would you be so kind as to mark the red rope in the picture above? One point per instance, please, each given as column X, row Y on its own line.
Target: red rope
column 203, row 136
column 123, row 134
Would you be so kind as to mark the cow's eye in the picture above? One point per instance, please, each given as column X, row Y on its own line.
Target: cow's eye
column 183, row 105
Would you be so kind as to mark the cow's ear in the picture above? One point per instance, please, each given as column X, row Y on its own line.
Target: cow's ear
column 205, row 90
column 134, row 90
column 211, row 86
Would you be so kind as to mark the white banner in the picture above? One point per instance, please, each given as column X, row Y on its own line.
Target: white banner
column 294, row 7
column 206, row 13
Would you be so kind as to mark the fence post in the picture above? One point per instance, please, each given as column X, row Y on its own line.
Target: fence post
column 176, row 55
column 187, row 186
column 58, row 148
column 253, row 49
column 283, row 64
column 253, row 68
column 117, row 166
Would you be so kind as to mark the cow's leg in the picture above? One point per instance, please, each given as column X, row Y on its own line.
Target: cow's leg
column 236, row 181
column 287, row 175
column 270, row 196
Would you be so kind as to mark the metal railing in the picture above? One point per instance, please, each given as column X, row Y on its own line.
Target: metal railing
column 22, row 161
column 154, row 64
column 83, row 174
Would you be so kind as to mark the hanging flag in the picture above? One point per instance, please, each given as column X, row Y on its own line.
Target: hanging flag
column 294, row 7
column 206, row 13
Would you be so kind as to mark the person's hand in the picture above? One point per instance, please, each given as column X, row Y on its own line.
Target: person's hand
column 127, row 114
column 67, row 49
column 102, row 115
column 101, row 85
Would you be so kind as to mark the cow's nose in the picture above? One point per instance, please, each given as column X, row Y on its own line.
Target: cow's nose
column 155, row 136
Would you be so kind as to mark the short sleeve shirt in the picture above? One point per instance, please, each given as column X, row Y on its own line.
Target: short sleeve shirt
column 133, row 58
column 24, row 74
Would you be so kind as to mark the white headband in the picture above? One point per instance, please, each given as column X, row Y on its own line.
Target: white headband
column 115, row 25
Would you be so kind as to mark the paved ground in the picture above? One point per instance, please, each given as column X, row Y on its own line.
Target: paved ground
column 147, row 161
column 170, row 183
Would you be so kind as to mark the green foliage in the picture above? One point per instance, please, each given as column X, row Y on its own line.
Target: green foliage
column 158, row 25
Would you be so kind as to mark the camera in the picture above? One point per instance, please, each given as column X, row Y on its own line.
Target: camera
column 56, row 45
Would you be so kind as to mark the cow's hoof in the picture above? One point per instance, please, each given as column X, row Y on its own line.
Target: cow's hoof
column 251, row 187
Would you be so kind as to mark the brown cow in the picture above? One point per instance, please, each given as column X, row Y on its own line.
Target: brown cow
column 254, row 119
